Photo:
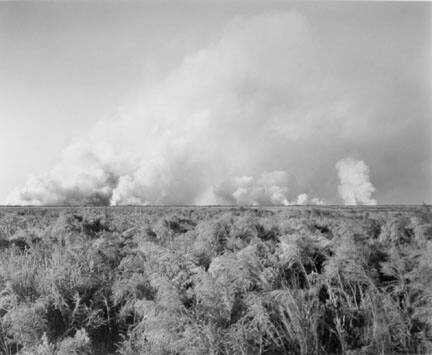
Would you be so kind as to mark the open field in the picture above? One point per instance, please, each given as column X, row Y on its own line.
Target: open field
column 216, row 280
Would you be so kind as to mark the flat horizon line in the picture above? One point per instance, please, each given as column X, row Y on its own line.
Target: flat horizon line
column 222, row 206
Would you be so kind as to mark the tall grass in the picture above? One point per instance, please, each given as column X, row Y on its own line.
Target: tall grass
column 218, row 281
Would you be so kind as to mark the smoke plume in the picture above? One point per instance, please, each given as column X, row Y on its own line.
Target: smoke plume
column 355, row 186
column 270, row 188
column 239, row 121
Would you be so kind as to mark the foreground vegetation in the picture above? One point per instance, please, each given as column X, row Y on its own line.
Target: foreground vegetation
column 216, row 280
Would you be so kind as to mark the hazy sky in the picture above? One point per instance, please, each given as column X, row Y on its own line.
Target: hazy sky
column 224, row 98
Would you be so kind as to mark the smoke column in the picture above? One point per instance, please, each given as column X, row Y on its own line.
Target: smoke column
column 355, row 186
column 239, row 121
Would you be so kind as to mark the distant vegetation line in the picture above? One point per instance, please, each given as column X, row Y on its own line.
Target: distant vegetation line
column 330, row 206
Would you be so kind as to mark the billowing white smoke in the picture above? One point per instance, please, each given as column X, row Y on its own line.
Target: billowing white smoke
column 86, row 175
column 355, row 186
column 303, row 199
column 270, row 188
column 224, row 127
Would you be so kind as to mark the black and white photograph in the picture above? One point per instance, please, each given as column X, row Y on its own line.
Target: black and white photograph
column 221, row 177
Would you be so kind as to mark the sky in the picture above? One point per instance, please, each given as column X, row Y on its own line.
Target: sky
column 213, row 102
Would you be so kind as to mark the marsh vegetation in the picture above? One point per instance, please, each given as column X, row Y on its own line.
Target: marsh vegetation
column 168, row 280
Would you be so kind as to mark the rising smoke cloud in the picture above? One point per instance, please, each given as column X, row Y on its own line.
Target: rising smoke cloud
column 270, row 188
column 239, row 121
column 355, row 186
